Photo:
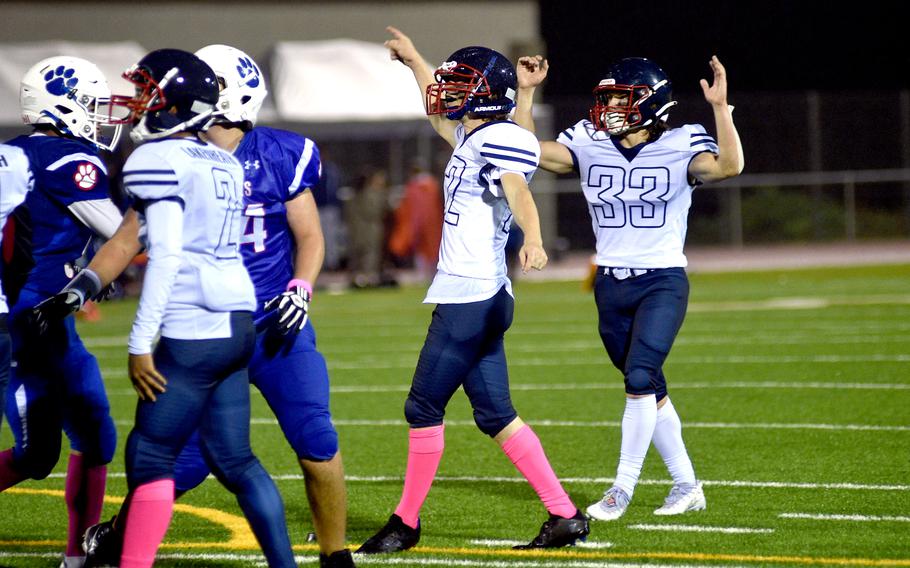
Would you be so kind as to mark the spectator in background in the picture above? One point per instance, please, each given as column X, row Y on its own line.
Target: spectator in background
column 364, row 215
column 417, row 227
column 329, row 201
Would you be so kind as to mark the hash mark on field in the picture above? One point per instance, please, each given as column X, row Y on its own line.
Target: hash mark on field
column 699, row 528
column 510, row 543
column 861, row 518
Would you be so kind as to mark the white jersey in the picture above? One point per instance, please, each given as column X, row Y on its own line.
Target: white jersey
column 639, row 202
column 15, row 182
column 472, row 263
column 190, row 200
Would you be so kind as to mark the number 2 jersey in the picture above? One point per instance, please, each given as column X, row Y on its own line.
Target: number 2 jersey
column 472, row 262
column 638, row 198
column 278, row 167
column 195, row 274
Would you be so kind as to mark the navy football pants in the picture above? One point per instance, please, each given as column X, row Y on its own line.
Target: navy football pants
column 638, row 322
column 208, row 389
column 292, row 377
column 464, row 347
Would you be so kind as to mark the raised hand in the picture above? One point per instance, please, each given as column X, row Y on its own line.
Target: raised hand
column 716, row 93
column 401, row 48
column 532, row 70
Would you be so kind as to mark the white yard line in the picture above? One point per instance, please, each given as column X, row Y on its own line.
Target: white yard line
column 613, row 385
column 859, row 518
column 590, row 481
column 397, row 423
column 701, row 529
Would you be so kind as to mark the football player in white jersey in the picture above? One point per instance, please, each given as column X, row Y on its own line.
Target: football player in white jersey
column 198, row 294
column 468, row 101
column 638, row 176
column 16, row 181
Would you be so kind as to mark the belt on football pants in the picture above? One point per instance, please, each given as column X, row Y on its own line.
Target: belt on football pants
column 624, row 273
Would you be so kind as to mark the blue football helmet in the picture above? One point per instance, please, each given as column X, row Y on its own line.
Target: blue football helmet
column 168, row 79
column 474, row 80
column 641, row 95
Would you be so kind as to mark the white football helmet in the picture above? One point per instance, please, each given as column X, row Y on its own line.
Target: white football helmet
column 72, row 95
column 243, row 87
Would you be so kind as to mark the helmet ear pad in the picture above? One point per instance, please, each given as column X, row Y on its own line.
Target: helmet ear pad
column 482, row 79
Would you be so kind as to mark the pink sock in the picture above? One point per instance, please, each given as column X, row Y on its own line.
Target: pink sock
column 146, row 523
column 524, row 449
column 84, row 496
column 8, row 475
column 425, row 447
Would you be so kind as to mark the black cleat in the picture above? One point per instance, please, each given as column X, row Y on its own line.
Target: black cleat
column 395, row 536
column 557, row 532
column 102, row 544
column 337, row 559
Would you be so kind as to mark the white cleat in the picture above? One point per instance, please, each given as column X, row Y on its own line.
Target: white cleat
column 683, row 497
column 611, row 507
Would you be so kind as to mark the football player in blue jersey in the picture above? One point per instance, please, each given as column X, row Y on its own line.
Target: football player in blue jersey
column 56, row 384
column 638, row 176
column 468, row 102
column 197, row 293
column 282, row 247
column 16, row 181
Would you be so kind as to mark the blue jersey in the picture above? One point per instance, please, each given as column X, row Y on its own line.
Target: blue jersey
column 278, row 166
column 46, row 236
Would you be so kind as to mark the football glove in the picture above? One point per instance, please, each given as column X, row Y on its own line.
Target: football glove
column 293, row 307
column 85, row 286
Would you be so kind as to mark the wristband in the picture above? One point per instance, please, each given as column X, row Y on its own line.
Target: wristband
column 305, row 284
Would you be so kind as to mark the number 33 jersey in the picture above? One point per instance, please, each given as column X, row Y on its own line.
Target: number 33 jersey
column 638, row 198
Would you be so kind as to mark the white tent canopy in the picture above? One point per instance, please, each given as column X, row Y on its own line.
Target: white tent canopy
column 316, row 81
column 342, row 80
column 17, row 58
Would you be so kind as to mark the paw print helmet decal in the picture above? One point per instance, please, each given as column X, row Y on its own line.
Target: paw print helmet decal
column 242, row 83
column 72, row 96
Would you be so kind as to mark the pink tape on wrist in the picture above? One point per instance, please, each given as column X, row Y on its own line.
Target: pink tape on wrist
column 305, row 284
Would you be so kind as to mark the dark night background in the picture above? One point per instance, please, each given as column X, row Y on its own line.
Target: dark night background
column 774, row 45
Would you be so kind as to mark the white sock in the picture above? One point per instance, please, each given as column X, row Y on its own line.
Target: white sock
column 668, row 441
column 73, row 561
column 638, row 422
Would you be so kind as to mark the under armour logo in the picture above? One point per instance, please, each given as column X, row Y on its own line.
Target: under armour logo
column 248, row 165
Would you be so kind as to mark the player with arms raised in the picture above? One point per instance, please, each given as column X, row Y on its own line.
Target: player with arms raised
column 638, row 176
column 56, row 384
column 468, row 102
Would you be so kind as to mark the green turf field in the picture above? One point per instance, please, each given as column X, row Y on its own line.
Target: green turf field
column 793, row 388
